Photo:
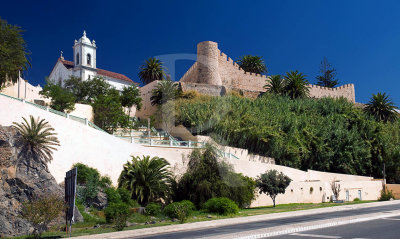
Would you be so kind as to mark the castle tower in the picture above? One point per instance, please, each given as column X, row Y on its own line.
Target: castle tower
column 207, row 59
column 85, row 52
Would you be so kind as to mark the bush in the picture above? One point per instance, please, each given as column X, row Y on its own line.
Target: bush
column 153, row 209
column 180, row 210
column 86, row 173
column 356, row 200
column 386, row 195
column 105, row 182
column 119, row 195
column 222, row 206
column 40, row 211
column 117, row 213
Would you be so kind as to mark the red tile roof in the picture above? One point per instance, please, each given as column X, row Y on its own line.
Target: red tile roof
column 70, row 64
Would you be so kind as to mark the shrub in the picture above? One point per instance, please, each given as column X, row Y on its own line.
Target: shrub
column 153, row 209
column 222, row 206
column 117, row 213
column 356, row 200
column 386, row 195
column 86, row 173
column 209, row 176
column 105, row 182
column 180, row 210
column 119, row 195
column 40, row 211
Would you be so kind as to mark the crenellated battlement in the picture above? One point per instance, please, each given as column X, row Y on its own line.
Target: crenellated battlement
column 214, row 67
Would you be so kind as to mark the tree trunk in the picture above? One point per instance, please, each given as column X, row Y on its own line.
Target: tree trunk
column 273, row 200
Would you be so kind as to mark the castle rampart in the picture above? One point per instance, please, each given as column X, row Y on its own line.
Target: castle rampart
column 215, row 68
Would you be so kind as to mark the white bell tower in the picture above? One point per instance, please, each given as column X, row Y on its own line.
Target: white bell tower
column 85, row 52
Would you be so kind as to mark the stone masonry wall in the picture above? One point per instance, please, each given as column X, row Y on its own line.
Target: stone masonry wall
column 227, row 73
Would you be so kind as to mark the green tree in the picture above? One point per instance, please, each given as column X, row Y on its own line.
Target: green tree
column 14, row 56
column 381, row 107
column 38, row 137
column 275, row 85
column 208, row 176
column 296, row 85
column 148, row 179
column 328, row 75
column 41, row 211
column 272, row 183
column 131, row 96
column 78, row 88
column 61, row 99
column 165, row 90
column 254, row 64
column 151, row 70
column 108, row 111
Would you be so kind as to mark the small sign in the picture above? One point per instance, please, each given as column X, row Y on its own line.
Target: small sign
column 70, row 193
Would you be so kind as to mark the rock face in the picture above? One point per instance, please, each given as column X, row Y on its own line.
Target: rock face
column 20, row 179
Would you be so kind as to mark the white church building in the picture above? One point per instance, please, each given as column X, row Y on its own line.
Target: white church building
column 84, row 66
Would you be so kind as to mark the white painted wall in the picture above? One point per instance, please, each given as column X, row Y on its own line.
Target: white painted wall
column 81, row 143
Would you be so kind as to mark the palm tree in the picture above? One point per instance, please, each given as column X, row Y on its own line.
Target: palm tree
column 147, row 179
column 254, row 64
column 381, row 107
column 38, row 137
column 151, row 70
column 275, row 85
column 296, row 85
column 165, row 90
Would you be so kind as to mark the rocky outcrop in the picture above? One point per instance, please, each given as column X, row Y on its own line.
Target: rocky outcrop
column 21, row 178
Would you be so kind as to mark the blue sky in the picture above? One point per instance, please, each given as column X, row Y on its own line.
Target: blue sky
column 361, row 39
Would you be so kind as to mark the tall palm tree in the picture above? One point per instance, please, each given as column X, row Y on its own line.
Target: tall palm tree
column 151, row 70
column 275, row 85
column 148, row 179
column 165, row 90
column 254, row 64
column 296, row 85
column 38, row 137
column 381, row 107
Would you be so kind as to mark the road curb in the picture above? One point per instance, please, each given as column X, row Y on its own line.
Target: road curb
column 230, row 221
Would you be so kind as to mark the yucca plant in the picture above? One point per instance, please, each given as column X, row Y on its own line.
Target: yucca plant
column 151, row 70
column 296, row 85
column 148, row 179
column 381, row 107
column 254, row 64
column 275, row 85
column 38, row 137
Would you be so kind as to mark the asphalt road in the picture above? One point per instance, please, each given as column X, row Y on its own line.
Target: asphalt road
column 277, row 222
column 386, row 228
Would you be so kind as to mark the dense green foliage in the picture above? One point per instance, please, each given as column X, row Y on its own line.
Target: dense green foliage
column 148, row 179
column 61, row 99
column 108, row 111
column 87, row 91
column 164, row 91
column 13, row 53
column 327, row 77
column 386, row 195
column 180, row 210
column 38, row 137
column 254, row 64
column 382, row 108
column 130, row 96
column 207, row 176
column 151, row 70
column 273, row 183
column 222, row 206
column 117, row 213
column 326, row 134
column 153, row 209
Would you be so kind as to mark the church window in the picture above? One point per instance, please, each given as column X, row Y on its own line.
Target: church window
column 77, row 58
column 89, row 59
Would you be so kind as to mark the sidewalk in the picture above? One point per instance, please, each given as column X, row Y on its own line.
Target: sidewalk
column 263, row 232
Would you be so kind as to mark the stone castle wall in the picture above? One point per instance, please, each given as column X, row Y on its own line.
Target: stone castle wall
column 215, row 68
